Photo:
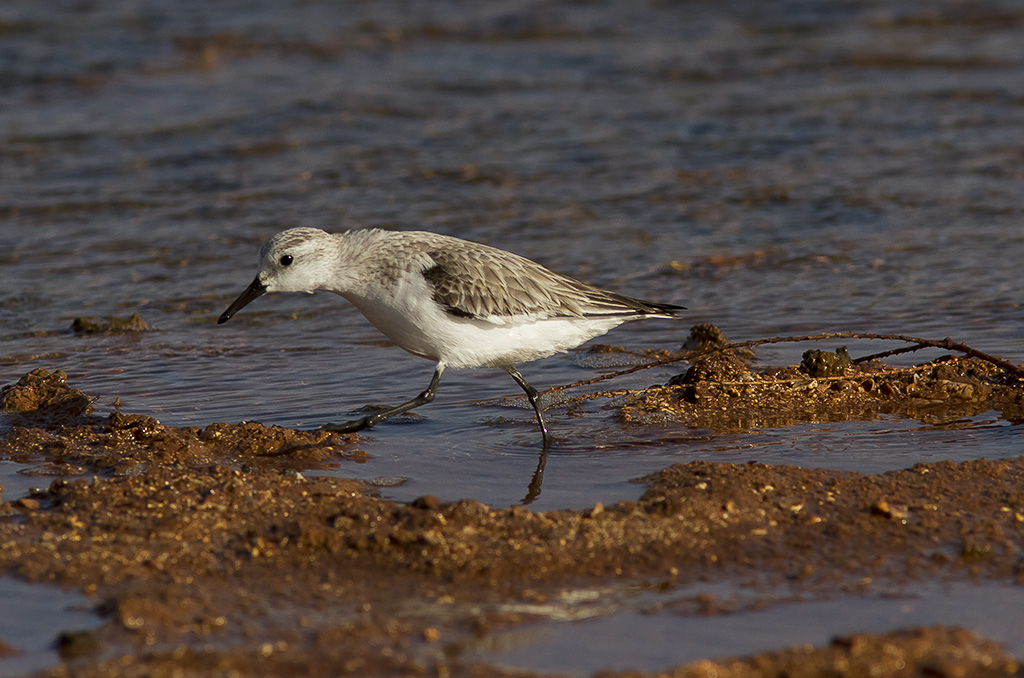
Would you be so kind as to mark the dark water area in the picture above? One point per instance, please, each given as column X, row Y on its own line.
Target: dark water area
column 778, row 168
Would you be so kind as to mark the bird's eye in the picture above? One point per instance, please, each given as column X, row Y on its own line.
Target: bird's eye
column 287, row 260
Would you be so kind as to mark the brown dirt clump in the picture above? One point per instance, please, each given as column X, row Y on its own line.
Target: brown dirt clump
column 721, row 392
column 208, row 550
column 44, row 397
column 110, row 325
column 56, row 430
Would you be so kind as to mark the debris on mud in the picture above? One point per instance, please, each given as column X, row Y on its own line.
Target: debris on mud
column 817, row 363
column 720, row 391
column 705, row 337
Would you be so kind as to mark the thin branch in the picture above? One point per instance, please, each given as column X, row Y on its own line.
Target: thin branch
column 886, row 354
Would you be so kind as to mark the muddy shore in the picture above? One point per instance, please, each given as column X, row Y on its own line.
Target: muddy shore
column 217, row 550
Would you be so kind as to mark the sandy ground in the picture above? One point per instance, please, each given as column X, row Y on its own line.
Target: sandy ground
column 208, row 551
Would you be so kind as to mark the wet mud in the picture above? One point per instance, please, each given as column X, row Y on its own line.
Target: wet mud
column 217, row 550
column 109, row 325
column 723, row 392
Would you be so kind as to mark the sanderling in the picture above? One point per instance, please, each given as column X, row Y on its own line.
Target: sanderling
column 459, row 303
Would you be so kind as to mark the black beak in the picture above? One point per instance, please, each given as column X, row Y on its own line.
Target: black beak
column 255, row 290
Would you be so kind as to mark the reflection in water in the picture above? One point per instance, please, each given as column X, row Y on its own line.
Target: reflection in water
column 533, row 491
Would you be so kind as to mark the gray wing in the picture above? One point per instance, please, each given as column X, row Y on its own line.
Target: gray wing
column 477, row 281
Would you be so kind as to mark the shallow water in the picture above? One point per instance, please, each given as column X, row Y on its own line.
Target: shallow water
column 661, row 638
column 33, row 617
column 810, row 167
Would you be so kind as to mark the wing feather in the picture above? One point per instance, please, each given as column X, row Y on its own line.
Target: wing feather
column 477, row 281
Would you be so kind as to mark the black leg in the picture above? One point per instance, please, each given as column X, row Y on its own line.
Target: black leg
column 374, row 419
column 533, row 397
column 533, row 491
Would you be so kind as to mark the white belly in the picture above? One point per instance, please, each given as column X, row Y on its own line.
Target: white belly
column 418, row 325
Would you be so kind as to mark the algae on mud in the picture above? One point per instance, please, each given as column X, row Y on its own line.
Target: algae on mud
column 206, row 548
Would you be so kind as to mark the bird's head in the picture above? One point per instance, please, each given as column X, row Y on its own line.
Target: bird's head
column 296, row 260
